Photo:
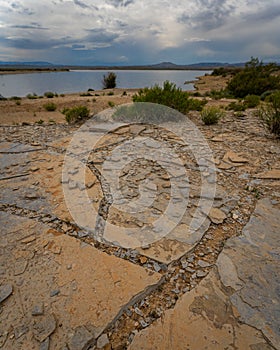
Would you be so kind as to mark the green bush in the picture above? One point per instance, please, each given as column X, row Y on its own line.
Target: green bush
column 169, row 95
column 111, row 104
column 109, row 80
column 75, row 114
column 252, row 101
column 85, row 94
column 50, row 107
column 196, row 105
column 15, row 98
column 211, row 115
column 49, row 94
column 32, row 96
column 236, row 106
column 254, row 79
column 110, row 93
column 270, row 114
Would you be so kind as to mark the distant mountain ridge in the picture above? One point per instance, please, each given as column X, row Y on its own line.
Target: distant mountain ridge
column 162, row 65
column 30, row 64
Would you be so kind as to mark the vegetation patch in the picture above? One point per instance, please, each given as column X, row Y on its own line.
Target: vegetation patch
column 50, row 107
column 49, row 94
column 270, row 114
column 169, row 95
column 255, row 79
column 75, row 114
column 109, row 80
column 211, row 115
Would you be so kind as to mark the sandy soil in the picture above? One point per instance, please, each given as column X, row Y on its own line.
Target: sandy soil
column 31, row 111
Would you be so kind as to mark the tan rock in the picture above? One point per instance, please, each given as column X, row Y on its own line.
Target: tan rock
column 202, row 319
column 234, row 158
column 273, row 174
column 217, row 216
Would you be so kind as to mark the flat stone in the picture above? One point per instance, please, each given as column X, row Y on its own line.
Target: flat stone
column 20, row 331
column 102, row 341
column 82, row 339
column 250, row 266
column 45, row 344
column 234, row 157
column 38, row 310
column 202, row 319
column 271, row 174
column 43, row 327
column 217, row 216
column 5, row 291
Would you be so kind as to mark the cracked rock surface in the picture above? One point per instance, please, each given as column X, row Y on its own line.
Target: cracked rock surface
column 65, row 287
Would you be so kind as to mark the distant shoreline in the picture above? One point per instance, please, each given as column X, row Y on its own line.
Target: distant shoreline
column 15, row 70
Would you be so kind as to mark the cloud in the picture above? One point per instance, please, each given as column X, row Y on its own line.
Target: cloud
column 139, row 31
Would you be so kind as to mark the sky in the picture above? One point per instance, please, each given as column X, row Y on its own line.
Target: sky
column 128, row 32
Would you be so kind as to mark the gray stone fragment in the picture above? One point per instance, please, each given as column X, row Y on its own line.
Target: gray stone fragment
column 81, row 339
column 5, row 291
column 102, row 341
column 201, row 273
column 54, row 292
column 20, row 331
column 38, row 309
column 203, row 263
column 45, row 344
column 43, row 327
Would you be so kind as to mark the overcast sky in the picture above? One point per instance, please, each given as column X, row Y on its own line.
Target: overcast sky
column 139, row 31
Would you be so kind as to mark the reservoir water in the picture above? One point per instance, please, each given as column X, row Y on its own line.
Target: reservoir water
column 82, row 80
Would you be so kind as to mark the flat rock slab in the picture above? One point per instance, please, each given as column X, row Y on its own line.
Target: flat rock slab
column 250, row 265
column 245, row 315
column 74, row 284
column 203, row 319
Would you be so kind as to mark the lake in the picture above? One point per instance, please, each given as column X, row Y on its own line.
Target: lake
column 82, row 80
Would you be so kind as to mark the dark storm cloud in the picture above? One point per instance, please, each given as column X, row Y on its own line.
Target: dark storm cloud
column 212, row 14
column 120, row 3
column 31, row 26
column 100, row 36
column 34, row 44
column 81, row 4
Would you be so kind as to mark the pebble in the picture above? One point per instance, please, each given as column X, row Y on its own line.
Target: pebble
column 44, row 327
column 38, row 310
column 82, row 339
column 102, row 341
column 201, row 273
column 20, row 331
column 45, row 344
column 54, row 292
column 203, row 263
column 5, row 291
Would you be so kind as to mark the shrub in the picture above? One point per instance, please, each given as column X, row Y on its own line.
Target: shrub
column 109, row 80
column 62, row 95
column 49, row 94
column 124, row 93
column 169, row 95
column 211, row 115
column 196, row 105
column 111, row 104
column 270, row 114
column 15, row 98
column 75, row 114
column 251, row 101
column 255, row 79
column 84, row 94
column 236, row 107
column 110, row 93
column 40, row 122
column 32, row 96
column 50, row 107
